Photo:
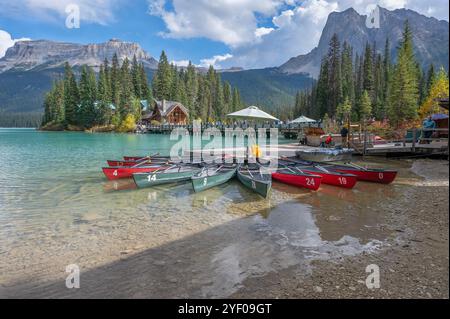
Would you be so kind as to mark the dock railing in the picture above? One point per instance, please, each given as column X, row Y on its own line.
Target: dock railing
column 414, row 141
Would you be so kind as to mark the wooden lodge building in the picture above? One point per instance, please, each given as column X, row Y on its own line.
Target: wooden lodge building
column 164, row 112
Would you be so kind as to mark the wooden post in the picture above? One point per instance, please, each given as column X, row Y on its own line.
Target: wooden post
column 365, row 142
column 414, row 137
column 348, row 133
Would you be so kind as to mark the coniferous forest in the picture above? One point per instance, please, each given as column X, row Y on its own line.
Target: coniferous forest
column 370, row 85
column 113, row 98
column 349, row 86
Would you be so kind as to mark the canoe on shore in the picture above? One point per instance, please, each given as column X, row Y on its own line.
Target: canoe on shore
column 130, row 163
column 140, row 158
column 296, row 177
column 374, row 175
column 166, row 175
column 329, row 177
column 325, row 154
column 213, row 175
column 255, row 179
column 119, row 172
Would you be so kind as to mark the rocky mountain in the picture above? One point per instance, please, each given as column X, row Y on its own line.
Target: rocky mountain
column 431, row 38
column 43, row 54
column 29, row 68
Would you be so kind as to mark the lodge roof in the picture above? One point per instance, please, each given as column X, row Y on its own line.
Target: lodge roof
column 164, row 107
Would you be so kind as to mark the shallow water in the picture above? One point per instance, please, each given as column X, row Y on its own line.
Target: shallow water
column 57, row 209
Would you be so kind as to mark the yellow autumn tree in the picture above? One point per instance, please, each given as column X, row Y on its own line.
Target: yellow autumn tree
column 438, row 90
column 128, row 124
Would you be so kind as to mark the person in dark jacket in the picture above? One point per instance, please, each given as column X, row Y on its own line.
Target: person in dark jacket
column 344, row 135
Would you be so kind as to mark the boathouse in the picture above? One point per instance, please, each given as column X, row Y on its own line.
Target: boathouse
column 165, row 112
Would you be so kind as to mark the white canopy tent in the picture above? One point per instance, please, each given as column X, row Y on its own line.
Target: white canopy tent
column 253, row 112
column 303, row 120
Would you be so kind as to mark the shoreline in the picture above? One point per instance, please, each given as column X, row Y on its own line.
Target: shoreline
column 414, row 264
column 202, row 262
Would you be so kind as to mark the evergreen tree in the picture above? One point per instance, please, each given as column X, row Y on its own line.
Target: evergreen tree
column 136, row 78
column 334, row 76
column 348, row 83
column 104, row 100
column 162, row 81
column 366, row 107
column 236, row 100
column 387, row 74
column 191, row 88
column 115, row 81
column 87, row 113
column 368, row 72
column 71, row 95
column 404, row 91
column 126, row 90
column 322, row 89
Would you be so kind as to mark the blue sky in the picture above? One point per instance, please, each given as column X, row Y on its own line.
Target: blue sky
column 134, row 25
column 221, row 32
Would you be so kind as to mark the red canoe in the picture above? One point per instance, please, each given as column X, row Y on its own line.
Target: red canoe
column 299, row 179
column 366, row 174
column 333, row 177
column 118, row 172
column 329, row 177
column 140, row 158
column 129, row 163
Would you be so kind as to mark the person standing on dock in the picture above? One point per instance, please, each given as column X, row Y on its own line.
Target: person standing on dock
column 344, row 135
column 428, row 128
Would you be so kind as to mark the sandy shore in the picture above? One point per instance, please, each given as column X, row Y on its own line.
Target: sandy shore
column 414, row 265
column 300, row 244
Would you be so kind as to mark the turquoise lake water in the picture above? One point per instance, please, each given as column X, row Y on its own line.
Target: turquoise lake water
column 56, row 209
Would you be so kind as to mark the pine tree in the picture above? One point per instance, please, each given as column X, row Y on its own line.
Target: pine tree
column 191, row 88
column 348, row 83
column 334, row 76
column 387, row 75
column 104, row 110
column 211, row 84
column 368, row 73
column 344, row 110
column 71, row 95
column 227, row 97
column 136, row 78
column 236, row 104
column 322, row 89
column 162, row 81
column 404, row 91
column 115, row 81
column 87, row 114
column 126, row 96
column 366, row 107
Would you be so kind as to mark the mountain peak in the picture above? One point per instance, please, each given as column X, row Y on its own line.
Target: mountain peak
column 351, row 27
column 27, row 55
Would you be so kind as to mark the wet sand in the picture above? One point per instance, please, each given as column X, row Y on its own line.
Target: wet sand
column 414, row 262
column 228, row 242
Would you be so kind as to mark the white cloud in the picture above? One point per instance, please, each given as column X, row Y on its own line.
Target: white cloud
column 233, row 22
column 92, row 11
column 260, row 32
column 215, row 60
column 298, row 30
column 6, row 41
column 182, row 63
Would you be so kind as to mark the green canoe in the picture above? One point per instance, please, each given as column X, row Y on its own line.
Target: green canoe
column 254, row 179
column 212, row 176
column 174, row 174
